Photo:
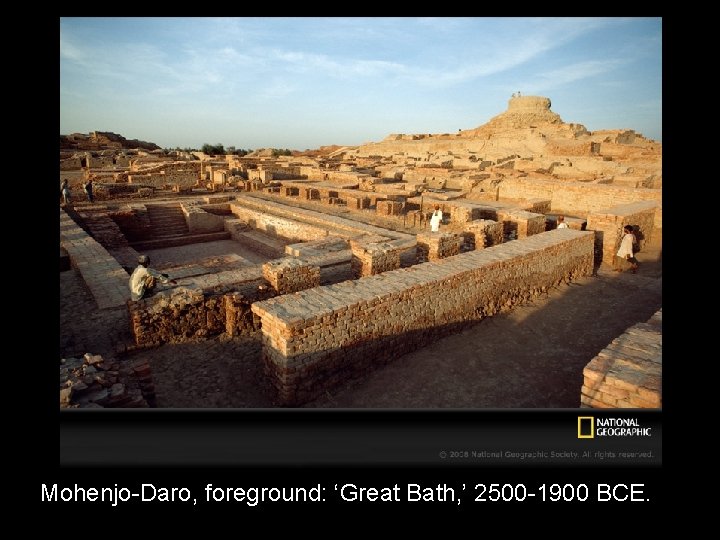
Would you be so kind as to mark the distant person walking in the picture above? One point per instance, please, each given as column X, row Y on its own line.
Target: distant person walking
column 561, row 223
column 436, row 219
column 89, row 190
column 65, row 191
column 144, row 279
column 626, row 253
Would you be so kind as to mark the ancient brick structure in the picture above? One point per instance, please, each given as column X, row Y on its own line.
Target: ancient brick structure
column 628, row 372
column 483, row 233
column 372, row 257
column 439, row 245
column 521, row 223
column 390, row 208
column 291, row 275
column 317, row 338
column 327, row 244
column 608, row 226
column 575, row 197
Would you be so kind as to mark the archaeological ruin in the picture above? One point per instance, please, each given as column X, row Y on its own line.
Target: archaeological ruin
column 315, row 280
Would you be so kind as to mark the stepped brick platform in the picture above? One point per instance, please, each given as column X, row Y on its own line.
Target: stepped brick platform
column 167, row 219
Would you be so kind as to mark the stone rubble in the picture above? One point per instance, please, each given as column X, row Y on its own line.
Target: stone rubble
column 90, row 382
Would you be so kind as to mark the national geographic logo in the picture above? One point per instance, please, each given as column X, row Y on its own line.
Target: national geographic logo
column 590, row 427
column 586, row 427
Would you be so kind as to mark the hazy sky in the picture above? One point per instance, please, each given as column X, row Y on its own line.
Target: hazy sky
column 304, row 82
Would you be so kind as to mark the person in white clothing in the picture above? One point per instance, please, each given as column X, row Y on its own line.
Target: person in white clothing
column 144, row 279
column 626, row 251
column 561, row 223
column 436, row 219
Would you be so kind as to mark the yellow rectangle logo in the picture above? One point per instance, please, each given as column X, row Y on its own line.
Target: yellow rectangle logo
column 586, row 427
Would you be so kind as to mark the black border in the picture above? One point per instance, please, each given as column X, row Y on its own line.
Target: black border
column 190, row 428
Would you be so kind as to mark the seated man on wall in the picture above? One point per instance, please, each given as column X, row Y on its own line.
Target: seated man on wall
column 144, row 279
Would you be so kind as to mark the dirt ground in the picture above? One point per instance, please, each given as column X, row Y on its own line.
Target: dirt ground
column 532, row 356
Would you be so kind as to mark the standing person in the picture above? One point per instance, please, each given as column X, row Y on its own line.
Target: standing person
column 144, row 279
column 626, row 252
column 436, row 219
column 89, row 190
column 561, row 223
column 65, row 191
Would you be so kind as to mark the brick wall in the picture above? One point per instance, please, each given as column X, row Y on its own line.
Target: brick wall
column 483, row 233
column 207, row 305
column 608, row 226
column 370, row 258
column 521, row 222
column 70, row 164
column 260, row 211
column 575, row 197
column 278, row 225
column 290, row 275
column 200, row 221
column 196, row 308
column 318, row 338
column 628, row 372
column 439, row 245
column 134, row 222
column 357, row 203
column 182, row 179
column 390, row 208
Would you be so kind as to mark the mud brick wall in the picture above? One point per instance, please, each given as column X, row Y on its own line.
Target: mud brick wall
column 369, row 259
column 239, row 318
column 218, row 200
column 521, row 222
column 201, row 221
column 575, row 197
column 334, row 267
column 317, row 247
column 168, row 317
column 260, row 210
column 187, row 167
column 103, row 229
column 390, row 208
column 195, row 309
column 332, row 255
column 483, row 233
column 278, row 225
column 291, row 275
column 70, row 164
column 318, row 338
column 608, row 226
column 434, row 246
column 538, row 206
column 463, row 213
column 182, row 179
column 628, row 372
column 236, row 227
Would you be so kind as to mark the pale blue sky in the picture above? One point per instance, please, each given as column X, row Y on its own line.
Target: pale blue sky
column 304, row 82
